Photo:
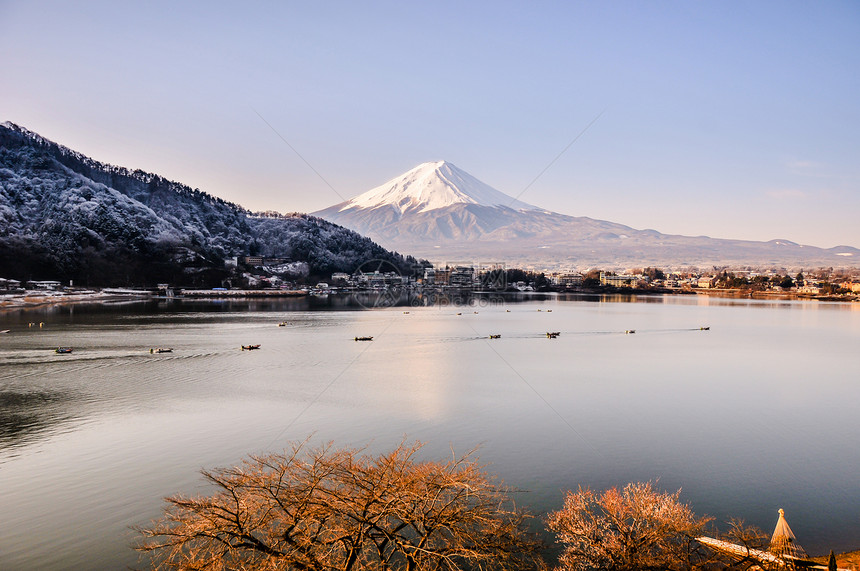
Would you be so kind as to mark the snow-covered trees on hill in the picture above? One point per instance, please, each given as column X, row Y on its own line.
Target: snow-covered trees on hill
column 66, row 216
column 327, row 247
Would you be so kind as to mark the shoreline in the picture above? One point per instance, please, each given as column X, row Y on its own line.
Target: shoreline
column 38, row 299
column 34, row 299
column 239, row 293
column 30, row 299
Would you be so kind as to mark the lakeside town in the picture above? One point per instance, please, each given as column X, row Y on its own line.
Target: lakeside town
column 253, row 276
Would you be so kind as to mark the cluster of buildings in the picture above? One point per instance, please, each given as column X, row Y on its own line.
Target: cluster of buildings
column 277, row 271
column 9, row 285
column 458, row 277
column 495, row 278
column 369, row 280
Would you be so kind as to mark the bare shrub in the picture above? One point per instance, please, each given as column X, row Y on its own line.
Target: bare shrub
column 636, row 527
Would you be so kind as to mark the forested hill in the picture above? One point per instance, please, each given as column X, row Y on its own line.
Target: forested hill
column 66, row 216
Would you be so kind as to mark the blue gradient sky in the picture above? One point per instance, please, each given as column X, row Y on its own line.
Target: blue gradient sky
column 730, row 119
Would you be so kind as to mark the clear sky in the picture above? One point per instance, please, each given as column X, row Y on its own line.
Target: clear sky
column 728, row 119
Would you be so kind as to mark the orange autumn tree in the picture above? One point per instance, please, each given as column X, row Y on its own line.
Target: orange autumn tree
column 342, row 509
column 636, row 527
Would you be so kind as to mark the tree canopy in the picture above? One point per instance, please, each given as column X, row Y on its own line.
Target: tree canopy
column 637, row 527
column 343, row 509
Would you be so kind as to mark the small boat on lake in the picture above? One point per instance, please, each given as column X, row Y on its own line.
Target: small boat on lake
column 495, row 336
column 553, row 334
column 364, row 338
column 250, row 347
column 63, row 350
column 704, row 328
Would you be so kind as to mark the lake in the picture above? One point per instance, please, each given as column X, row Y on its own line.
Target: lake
column 759, row 412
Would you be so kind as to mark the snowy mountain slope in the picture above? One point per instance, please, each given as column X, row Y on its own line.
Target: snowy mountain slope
column 439, row 211
column 66, row 216
column 431, row 186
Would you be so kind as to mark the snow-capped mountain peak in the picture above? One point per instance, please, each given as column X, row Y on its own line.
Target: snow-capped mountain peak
column 431, row 186
column 442, row 213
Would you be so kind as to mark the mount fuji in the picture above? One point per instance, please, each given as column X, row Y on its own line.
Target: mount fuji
column 440, row 212
column 437, row 203
column 431, row 186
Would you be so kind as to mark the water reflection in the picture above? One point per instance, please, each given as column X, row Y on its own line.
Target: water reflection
column 26, row 416
column 18, row 318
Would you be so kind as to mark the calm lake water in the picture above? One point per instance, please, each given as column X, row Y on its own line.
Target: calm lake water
column 758, row 413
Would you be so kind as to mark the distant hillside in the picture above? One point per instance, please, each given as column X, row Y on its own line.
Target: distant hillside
column 66, row 216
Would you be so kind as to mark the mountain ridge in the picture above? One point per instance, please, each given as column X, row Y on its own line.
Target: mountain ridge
column 498, row 229
column 64, row 215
